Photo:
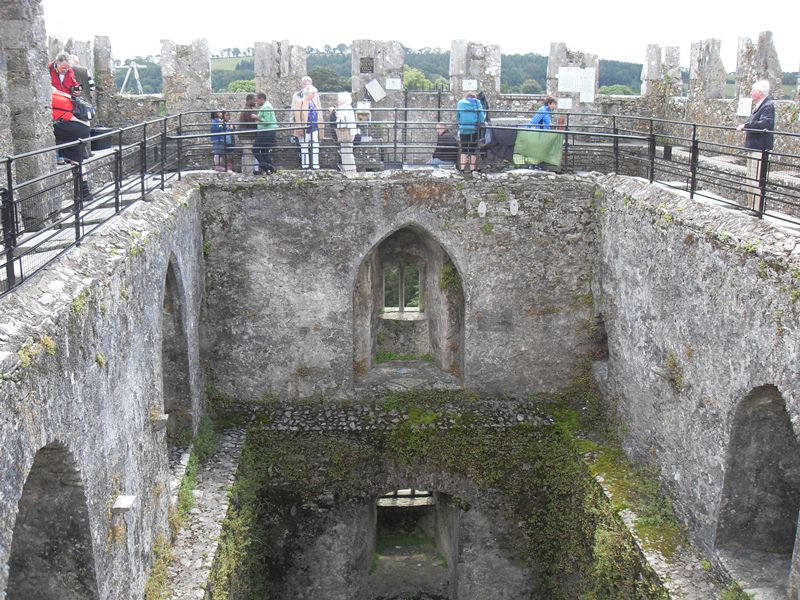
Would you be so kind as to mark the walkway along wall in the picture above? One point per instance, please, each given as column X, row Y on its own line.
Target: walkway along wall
column 80, row 402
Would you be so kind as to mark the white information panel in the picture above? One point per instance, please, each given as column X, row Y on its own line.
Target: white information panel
column 745, row 107
column 575, row 79
column 394, row 83
column 564, row 103
column 375, row 90
column 469, row 85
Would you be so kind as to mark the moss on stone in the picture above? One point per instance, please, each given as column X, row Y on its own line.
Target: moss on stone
column 567, row 531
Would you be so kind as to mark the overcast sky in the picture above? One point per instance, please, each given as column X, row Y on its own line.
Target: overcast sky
column 613, row 29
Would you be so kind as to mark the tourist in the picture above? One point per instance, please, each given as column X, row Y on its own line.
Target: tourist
column 541, row 119
column 71, row 127
column 309, row 146
column 470, row 118
column 759, row 136
column 220, row 144
column 83, row 76
column 297, row 107
column 62, row 77
column 346, row 130
column 446, row 151
column 265, row 138
column 248, row 120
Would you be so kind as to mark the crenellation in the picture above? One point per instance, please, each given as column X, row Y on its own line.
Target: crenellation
column 706, row 71
column 378, row 62
column 476, row 67
column 279, row 66
column 572, row 77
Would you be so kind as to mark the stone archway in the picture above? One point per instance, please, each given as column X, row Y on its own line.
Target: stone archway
column 408, row 302
column 175, row 362
column 51, row 549
column 757, row 521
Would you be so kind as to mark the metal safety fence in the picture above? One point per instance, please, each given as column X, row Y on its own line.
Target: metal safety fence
column 48, row 208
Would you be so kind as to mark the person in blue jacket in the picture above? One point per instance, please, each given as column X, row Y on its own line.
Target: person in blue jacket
column 470, row 116
column 541, row 120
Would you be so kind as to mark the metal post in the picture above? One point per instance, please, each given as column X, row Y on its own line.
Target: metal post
column 566, row 140
column 118, row 173
column 762, row 183
column 9, row 227
column 143, row 160
column 694, row 159
column 163, row 149
column 180, row 144
column 77, row 192
column 652, row 152
column 395, row 136
column 439, row 104
column 615, row 131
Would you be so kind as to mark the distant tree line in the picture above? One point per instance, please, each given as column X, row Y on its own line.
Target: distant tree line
column 427, row 68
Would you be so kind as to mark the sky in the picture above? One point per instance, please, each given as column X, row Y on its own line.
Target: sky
column 613, row 29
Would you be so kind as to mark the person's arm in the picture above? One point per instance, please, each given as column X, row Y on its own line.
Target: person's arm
column 763, row 119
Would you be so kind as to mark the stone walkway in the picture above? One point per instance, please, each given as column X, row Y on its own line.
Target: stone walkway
column 196, row 546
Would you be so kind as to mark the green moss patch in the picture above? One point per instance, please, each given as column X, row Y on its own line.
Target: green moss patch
column 534, row 474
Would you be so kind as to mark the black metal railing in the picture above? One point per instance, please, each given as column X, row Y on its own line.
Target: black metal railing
column 47, row 209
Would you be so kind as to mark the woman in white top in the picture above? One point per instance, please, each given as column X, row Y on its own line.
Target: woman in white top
column 346, row 130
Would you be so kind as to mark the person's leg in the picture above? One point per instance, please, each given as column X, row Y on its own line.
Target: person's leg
column 304, row 148
column 270, row 144
column 348, row 159
column 315, row 149
column 753, row 194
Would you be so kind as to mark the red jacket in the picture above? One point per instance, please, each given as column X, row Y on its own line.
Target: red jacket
column 62, row 106
column 69, row 79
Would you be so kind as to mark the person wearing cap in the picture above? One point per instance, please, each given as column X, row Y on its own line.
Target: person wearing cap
column 758, row 136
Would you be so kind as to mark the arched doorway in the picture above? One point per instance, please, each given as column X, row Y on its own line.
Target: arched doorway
column 408, row 304
column 175, row 363
column 51, row 549
column 757, row 521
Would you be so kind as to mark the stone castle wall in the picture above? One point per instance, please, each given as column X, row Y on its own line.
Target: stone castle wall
column 699, row 305
column 80, row 358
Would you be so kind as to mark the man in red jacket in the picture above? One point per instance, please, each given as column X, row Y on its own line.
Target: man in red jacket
column 62, row 77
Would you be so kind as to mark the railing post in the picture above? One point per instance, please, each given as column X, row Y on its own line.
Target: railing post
column 615, row 131
column 652, row 153
column 163, row 150
column 118, row 174
column 693, row 160
column 439, row 103
column 77, row 195
column 762, row 183
column 9, row 226
column 180, row 144
column 395, row 136
column 566, row 139
column 143, row 160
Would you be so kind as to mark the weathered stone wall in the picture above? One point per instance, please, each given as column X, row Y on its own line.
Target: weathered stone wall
column 26, row 91
column 80, row 357
column 700, row 309
column 289, row 327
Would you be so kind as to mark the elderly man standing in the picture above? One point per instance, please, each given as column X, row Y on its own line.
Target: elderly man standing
column 62, row 77
column 759, row 136
column 297, row 107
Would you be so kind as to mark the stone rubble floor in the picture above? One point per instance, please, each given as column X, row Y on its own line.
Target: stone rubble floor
column 197, row 541
column 401, row 375
column 762, row 574
column 409, row 572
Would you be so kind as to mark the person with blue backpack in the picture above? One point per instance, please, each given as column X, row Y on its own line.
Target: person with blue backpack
column 470, row 117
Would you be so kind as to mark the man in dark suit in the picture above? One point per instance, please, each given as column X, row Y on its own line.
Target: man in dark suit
column 759, row 136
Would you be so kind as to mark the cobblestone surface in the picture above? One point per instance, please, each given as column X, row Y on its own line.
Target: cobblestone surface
column 197, row 541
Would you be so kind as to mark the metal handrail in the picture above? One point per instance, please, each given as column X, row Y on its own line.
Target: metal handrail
column 145, row 156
